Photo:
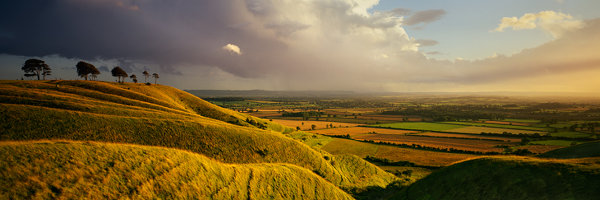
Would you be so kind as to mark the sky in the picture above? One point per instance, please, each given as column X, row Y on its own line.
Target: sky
column 352, row 45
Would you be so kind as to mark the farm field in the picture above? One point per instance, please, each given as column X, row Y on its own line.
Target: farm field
column 539, row 149
column 355, row 131
column 529, row 121
column 505, row 123
column 564, row 143
column 495, row 125
column 441, row 143
column 571, row 134
column 479, row 130
column 420, row 157
column 474, row 136
column 422, row 126
column 306, row 125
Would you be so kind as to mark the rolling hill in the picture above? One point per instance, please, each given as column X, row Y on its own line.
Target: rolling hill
column 92, row 170
column 590, row 149
column 510, row 178
column 158, row 115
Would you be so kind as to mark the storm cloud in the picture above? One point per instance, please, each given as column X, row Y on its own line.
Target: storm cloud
column 262, row 44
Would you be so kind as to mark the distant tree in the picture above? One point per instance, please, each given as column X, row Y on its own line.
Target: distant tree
column 146, row 75
column 155, row 76
column 84, row 69
column 36, row 67
column 134, row 78
column 119, row 73
column 95, row 73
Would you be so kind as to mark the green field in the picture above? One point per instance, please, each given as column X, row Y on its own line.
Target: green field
column 565, row 143
column 522, row 120
column 499, row 126
column 421, row 126
column 571, row 134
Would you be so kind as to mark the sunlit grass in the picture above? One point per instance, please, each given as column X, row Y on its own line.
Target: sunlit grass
column 162, row 116
column 69, row 169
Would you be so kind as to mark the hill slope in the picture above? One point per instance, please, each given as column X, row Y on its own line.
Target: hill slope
column 590, row 149
column 164, row 116
column 510, row 178
column 67, row 169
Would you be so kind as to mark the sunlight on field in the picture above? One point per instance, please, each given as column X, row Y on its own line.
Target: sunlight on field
column 355, row 131
column 419, row 157
column 307, row 125
column 424, row 126
column 479, row 130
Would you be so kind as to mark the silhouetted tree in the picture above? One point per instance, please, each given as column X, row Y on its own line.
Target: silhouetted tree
column 134, row 78
column 146, row 75
column 119, row 73
column 95, row 73
column 84, row 69
column 36, row 67
column 155, row 76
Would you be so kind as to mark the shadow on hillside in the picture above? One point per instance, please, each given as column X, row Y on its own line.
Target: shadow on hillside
column 374, row 192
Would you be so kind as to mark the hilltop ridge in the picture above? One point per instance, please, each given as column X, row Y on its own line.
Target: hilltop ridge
column 163, row 116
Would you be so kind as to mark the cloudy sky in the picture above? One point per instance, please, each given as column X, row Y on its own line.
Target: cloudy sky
column 357, row 45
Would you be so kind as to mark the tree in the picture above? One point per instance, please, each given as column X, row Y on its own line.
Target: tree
column 155, row 76
column 119, row 73
column 95, row 73
column 36, row 67
column 84, row 69
column 134, row 78
column 146, row 75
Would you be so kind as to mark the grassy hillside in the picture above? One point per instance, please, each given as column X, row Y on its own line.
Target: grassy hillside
column 510, row 178
column 163, row 116
column 590, row 149
column 67, row 169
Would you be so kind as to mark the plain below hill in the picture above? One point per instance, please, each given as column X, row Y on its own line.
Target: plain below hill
column 158, row 115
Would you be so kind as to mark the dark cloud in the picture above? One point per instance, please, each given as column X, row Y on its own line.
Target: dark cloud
column 167, row 33
column 427, row 42
column 426, row 16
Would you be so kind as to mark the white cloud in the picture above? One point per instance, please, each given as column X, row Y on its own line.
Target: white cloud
column 555, row 23
column 232, row 48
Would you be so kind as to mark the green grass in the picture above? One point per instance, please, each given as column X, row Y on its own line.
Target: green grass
column 498, row 126
column 522, row 120
column 163, row 116
column 571, row 134
column 590, row 149
column 565, row 143
column 508, row 178
column 421, row 126
column 90, row 170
